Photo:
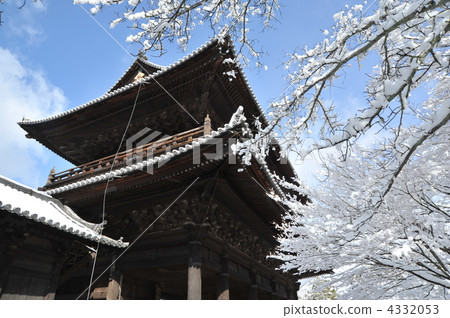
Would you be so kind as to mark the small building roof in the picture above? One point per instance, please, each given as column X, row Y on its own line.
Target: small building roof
column 35, row 205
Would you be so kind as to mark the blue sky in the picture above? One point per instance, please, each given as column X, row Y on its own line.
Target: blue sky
column 55, row 57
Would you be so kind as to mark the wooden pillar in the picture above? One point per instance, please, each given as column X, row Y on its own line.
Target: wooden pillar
column 290, row 294
column 113, row 292
column 294, row 291
column 253, row 288
column 157, row 291
column 9, row 255
column 223, row 284
column 55, row 274
column 114, row 284
column 194, row 288
column 273, row 293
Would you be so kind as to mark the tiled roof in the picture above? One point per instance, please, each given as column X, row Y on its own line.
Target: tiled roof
column 162, row 70
column 237, row 119
column 119, row 90
column 139, row 61
column 26, row 202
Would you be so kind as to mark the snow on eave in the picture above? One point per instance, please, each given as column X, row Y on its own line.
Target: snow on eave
column 266, row 171
column 246, row 83
column 38, row 206
column 253, row 96
column 121, row 89
column 237, row 119
column 151, row 64
column 268, row 175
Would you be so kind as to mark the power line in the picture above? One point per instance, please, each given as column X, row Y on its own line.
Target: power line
column 106, row 189
column 139, row 236
column 91, row 282
column 143, row 68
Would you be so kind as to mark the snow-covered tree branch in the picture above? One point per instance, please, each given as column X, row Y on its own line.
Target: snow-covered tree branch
column 399, row 248
column 158, row 22
column 408, row 43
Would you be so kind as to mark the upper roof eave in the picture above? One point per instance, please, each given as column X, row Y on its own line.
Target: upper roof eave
column 162, row 70
column 120, row 90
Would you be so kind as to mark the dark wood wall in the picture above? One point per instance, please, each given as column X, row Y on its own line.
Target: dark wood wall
column 30, row 263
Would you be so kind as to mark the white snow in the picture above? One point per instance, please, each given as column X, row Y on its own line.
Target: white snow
column 40, row 207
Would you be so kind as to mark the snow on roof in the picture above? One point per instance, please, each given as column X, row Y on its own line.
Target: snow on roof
column 35, row 205
column 145, row 61
column 162, row 70
column 237, row 119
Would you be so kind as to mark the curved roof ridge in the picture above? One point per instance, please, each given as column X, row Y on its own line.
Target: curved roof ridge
column 247, row 84
column 121, row 89
column 138, row 60
column 40, row 207
column 152, row 64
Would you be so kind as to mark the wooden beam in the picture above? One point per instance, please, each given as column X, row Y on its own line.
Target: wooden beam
column 76, row 267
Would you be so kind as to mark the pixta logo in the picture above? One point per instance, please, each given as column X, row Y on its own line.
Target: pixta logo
column 143, row 146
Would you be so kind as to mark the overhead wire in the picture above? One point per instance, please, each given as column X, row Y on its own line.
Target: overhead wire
column 142, row 67
column 139, row 236
column 107, row 185
column 91, row 280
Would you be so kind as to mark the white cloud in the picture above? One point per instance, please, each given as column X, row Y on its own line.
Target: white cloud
column 24, row 92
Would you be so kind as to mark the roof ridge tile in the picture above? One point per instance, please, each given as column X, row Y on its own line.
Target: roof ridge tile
column 119, row 90
column 21, row 200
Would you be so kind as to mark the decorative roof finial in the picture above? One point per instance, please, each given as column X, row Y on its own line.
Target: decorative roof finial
column 51, row 175
column 141, row 55
column 207, row 129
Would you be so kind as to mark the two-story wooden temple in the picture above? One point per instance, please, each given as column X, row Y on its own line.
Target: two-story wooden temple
column 199, row 222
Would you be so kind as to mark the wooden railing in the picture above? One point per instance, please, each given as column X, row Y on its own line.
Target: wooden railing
column 129, row 156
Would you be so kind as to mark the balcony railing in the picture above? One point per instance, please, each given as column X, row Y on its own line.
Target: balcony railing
column 145, row 151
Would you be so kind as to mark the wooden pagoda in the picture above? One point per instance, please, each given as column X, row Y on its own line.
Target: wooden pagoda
column 203, row 221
